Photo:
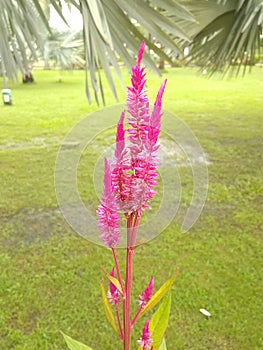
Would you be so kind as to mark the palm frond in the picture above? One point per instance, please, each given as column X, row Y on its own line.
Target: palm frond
column 227, row 33
column 20, row 36
column 64, row 50
column 112, row 29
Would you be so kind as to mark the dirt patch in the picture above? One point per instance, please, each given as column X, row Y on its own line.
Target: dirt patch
column 36, row 142
column 181, row 156
column 31, row 226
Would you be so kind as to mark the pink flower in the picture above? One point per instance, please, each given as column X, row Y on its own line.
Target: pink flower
column 107, row 212
column 120, row 175
column 120, row 138
column 155, row 120
column 145, row 342
column 143, row 134
column 113, row 295
column 146, row 294
column 134, row 167
column 138, row 107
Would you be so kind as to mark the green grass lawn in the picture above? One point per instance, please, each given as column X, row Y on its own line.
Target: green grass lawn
column 50, row 276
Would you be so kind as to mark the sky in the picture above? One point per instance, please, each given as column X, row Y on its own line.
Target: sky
column 73, row 18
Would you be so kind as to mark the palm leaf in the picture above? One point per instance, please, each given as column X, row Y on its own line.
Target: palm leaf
column 226, row 33
column 19, row 22
column 112, row 30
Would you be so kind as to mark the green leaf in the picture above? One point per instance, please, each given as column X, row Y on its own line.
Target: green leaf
column 113, row 280
column 107, row 308
column 74, row 344
column 163, row 345
column 159, row 322
column 226, row 32
column 159, row 294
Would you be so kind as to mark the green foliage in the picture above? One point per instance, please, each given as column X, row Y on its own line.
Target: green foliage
column 113, row 280
column 107, row 308
column 50, row 276
column 225, row 33
column 159, row 322
column 64, row 50
column 108, row 33
column 75, row 345
column 163, row 345
column 157, row 297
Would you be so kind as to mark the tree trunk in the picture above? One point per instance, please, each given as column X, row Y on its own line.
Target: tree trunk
column 28, row 78
column 161, row 60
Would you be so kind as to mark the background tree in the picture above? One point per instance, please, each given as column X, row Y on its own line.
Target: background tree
column 64, row 50
column 219, row 33
column 20, row 35
column 110, row 32
column 227, row 33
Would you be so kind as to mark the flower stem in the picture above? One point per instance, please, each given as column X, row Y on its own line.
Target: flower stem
column 135, row 228
column 127, row 300
column 117, row 267
column 136, row 316
column 119, row 321
column 132, row 229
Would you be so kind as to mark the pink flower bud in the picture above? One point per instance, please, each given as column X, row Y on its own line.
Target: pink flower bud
column 113, row 295
column 145, row 341
column 146, row 294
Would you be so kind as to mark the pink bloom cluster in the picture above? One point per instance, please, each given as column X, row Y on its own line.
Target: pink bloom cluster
column 113, row 295
column 145, row 342
column 107, row 212
column 134, row 167
column 146, row 294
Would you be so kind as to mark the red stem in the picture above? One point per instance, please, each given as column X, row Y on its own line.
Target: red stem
column 135, row 228
column 127, row 300
column 117, row 267
column 132, row 228
column 128, row 285
column 119, row 321
column 136, row 316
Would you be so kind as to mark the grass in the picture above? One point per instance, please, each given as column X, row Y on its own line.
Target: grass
column 50, row 276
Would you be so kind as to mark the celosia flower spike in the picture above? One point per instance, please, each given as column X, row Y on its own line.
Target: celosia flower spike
column 140, row 53
column 138, row 107
column 146, row 294
column 155, row 120
column 134, row 169
column 120, row 142
column 120, row 176
column 113, row 295
column 107, row 212
column 142, row 134
column 145, row 342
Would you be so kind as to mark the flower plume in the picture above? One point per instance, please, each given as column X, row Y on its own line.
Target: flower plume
column 146, row 294
column 145, row 341
column 129, row 186
column 107, row 212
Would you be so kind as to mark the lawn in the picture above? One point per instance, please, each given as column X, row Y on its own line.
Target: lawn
column 50, row 276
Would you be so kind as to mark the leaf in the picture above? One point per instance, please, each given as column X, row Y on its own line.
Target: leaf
column 74, row 344
column 113, row 280
column 107, row 308
column 100, row 20
column 163, row 345
column 226, row 32
column 159, row 322
column 159, row 294
column 113, row 31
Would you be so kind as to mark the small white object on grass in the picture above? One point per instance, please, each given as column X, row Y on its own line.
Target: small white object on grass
column 205, row 312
